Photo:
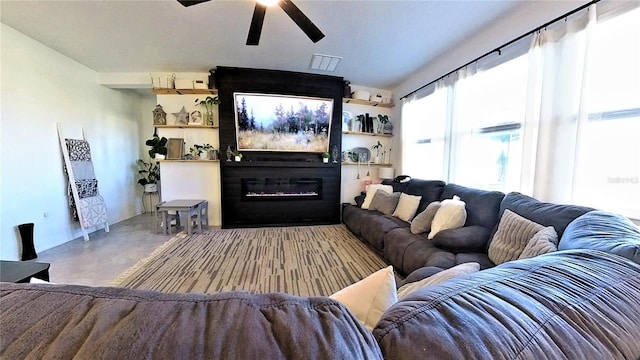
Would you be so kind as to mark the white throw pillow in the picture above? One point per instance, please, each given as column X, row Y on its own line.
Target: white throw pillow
column 407, row 207
column 38, row 281
column 371, row 192
column 370, row 297
column 513, row 234
column 442, row 276
column 452, row 214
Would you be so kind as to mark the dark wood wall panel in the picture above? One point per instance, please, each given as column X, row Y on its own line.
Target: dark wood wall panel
column 238, row 213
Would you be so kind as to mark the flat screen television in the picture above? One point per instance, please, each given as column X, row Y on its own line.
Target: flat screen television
column 267, row 122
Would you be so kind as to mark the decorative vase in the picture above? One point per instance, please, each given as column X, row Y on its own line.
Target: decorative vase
column 208, row 118
column 229, row 153
column 26, row 236
column 204, row 155
column 214, row 155
column 151, row 188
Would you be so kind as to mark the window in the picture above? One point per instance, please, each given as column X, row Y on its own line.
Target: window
column 489, row 110
column 608, row 161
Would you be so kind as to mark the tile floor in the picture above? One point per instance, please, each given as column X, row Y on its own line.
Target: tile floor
column 105, row 255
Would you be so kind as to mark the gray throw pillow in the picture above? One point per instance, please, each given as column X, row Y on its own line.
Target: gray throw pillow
column 384, row 202
column 422, row 222
column 512, row 236
column 544, row 241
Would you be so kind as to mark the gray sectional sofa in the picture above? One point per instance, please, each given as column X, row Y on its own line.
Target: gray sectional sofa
column 581, row 302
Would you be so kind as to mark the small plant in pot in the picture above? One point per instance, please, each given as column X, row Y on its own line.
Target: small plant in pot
column 209, row 103
column 325, row 157
column 149, row 175
column 158, row 147
column 237, row 155
column 377, row 147
column 201, row 151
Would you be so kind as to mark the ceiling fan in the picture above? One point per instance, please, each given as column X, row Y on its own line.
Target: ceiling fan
column 255, row 29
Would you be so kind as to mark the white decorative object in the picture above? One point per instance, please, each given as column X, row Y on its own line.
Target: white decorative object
column 361, row 95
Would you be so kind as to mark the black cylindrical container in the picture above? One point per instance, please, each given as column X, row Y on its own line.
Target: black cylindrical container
column 26, row 235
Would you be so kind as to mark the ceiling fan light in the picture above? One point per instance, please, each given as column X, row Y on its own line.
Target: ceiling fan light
column 268, row 2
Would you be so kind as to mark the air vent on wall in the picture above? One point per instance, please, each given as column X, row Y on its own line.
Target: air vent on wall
column 324, row 62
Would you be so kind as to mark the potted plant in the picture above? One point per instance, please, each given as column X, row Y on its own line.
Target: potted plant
column 209, row 102
column 385, row 124
column 325, row 157
column 237, row 155
column 377, row 148
column 201, row 151
column 158, row 147
column 150, row 175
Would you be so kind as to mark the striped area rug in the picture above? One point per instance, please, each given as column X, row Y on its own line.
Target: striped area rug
column 306, row 261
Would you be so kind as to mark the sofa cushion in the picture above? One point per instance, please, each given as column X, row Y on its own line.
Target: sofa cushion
column 371, row 191
column 419, row 274
column 543, row 242
column 375, row 226
column 422, row 222
column 467, row 239
column 384, row 202
column 407, row 207
column 480, row 258
column 370, row 297
column 546, row 214
column 603, row 231
column 80, row 322
column 429, row 190
column 571, row 305
column 512, row 236
column 438, row 278
column 482, row 206
column 450, row 215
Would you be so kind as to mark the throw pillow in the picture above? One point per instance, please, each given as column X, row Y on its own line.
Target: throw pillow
column 407, row 206
column 384, row 202
column 422, row 222
column 544, row 241
column 442, row 276
column 512, row 236
column 371, row 191
column 452, row 214
column 370, row 297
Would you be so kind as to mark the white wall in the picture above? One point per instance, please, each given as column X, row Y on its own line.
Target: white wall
column 41, row 87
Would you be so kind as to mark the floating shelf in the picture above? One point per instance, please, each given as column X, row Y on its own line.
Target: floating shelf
column 186, row 126
column 366, row 134
column 184, row 91
column 365, row 164
column 185, row 160
column 365, row 102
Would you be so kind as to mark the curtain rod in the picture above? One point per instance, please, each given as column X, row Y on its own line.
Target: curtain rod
column 499, row 48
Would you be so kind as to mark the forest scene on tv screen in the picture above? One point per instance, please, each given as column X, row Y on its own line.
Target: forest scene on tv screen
column 282, row 123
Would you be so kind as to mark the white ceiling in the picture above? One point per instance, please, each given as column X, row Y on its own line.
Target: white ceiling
column 381, row 42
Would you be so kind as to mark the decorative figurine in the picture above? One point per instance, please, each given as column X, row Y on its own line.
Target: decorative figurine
column 182, row 116
column 159, row 116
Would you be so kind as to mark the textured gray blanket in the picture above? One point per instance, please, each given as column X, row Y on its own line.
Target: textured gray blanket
column 66, row 321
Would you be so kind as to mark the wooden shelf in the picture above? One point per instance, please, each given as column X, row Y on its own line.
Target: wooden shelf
column 186, row 126
column 184, row 91
column 184, row 160
column 365, row 164
column 366, row 134
column 365, row 102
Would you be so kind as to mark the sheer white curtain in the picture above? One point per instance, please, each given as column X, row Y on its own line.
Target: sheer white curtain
column 556, row 107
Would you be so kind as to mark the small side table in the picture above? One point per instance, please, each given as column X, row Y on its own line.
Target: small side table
column 23, row 271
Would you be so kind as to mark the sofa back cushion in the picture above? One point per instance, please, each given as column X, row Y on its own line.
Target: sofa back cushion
column 572, row 305
column 546, row 214
column 482, row 206
column 603, row 231
column 430, row 190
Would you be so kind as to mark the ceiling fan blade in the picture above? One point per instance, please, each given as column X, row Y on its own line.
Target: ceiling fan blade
column 187, row 3
column 255, row 29
column 301, row 20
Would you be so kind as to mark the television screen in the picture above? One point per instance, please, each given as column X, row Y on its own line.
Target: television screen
column 267, row 122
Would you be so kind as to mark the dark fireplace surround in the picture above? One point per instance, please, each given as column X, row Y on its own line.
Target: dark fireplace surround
column 277, row 188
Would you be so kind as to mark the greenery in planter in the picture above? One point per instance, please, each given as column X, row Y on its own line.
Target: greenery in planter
column 158, row 146
column 377, row 147
column 237, row 153
column 196, row 149
column 149, row 172
column 209, row 102
column 326, row 155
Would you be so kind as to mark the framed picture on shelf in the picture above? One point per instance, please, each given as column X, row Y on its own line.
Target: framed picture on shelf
column 175, row 149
